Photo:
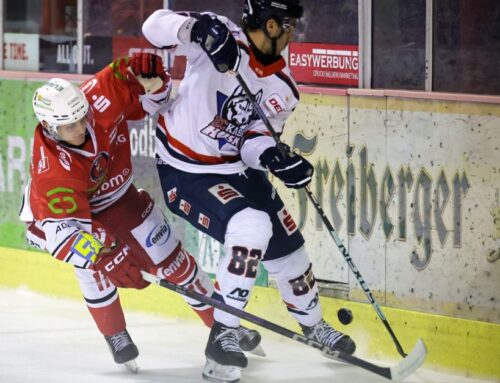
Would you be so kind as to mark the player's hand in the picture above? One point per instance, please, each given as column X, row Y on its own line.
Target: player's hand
column 147, row 65
column 116, row 264
column 217, row 42
column 294, row 170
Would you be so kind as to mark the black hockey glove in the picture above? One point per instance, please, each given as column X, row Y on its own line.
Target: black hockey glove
column 294, row 170
column 217, row 42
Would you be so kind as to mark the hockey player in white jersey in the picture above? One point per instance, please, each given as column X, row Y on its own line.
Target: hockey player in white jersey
column 213, row 151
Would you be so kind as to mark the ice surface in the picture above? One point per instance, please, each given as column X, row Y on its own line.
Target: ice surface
column 50, row 340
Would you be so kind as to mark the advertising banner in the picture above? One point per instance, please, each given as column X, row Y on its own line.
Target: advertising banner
column 58, row 53
column 324, row 63
column 20, row 51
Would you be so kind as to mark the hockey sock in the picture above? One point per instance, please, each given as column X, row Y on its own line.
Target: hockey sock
column 109, row 319
column 297, row 286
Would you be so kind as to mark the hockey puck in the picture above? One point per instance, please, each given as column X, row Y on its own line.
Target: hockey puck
column 345, row 316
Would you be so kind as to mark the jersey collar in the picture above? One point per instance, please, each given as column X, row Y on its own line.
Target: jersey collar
column 260, row 69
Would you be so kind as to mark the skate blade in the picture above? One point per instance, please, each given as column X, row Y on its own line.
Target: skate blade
column 131, row 366
column 259, row 351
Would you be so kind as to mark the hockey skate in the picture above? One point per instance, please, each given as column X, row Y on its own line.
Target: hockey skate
column 224, row 357
column 327, row 335
column 123, row 349
column 250, row 341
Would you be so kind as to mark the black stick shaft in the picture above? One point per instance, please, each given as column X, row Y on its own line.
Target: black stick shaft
column 326, row 221
column 338, row 355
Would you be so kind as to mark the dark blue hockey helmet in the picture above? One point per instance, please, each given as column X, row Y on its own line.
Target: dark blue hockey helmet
column 258, row 12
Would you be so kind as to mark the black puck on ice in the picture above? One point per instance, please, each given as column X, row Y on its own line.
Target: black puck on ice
column 345, row 316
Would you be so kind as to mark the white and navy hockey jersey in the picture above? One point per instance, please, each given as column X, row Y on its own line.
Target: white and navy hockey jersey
column 212, row 127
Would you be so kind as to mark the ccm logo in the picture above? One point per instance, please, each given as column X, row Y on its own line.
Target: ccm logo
column 117, row 259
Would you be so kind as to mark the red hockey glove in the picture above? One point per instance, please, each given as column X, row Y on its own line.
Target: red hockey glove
column 148, row 65
column 118, row 267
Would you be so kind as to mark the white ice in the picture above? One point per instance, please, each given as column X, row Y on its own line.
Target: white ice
column 50, row 340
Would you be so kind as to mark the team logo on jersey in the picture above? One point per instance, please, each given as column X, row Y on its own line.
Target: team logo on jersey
column 287, row 221
column 64, row 158
column 99, row 167
column 225, row 193
column 87, row 87
column 234, row 113
column 203, row 220
column 185, row 206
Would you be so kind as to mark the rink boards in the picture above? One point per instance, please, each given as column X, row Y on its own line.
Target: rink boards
column 460, row 346
column 411, row 185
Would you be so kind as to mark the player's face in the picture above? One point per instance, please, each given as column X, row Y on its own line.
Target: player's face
column 73, row 134
column 288, row 27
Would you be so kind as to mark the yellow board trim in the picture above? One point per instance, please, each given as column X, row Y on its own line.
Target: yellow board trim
column 459, row 346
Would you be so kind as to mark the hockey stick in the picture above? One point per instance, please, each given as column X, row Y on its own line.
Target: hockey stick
column 325, row 220
column 398, row 372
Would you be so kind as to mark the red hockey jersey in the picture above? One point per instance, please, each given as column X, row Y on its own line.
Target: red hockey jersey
column 68, row 184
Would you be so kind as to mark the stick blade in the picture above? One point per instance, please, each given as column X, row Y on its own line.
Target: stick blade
column 411, row 363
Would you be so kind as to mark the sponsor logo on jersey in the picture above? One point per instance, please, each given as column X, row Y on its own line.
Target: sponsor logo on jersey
column 88, row 86
column 61, row 226
column 185, row 206
column 64, row 158
column 99, row 167
column 172, row 195
column 159, row 235
column 113, row 182
column 234, row 113
column 101, row 103
column 203, row 220
column 224, row 193
column 122, row 138
column 43, row 163
column 275, row 104
column 287, row 221
column 86, row 246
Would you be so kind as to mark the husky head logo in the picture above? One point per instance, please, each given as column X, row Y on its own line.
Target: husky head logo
column 238, row 109
column 234, row 113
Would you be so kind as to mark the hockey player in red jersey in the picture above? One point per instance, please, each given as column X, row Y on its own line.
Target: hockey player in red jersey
column 215, row 160
column 81, row 204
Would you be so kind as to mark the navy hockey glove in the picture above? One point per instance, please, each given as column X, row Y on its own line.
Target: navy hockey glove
column 217, row 42
column 294, row 170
